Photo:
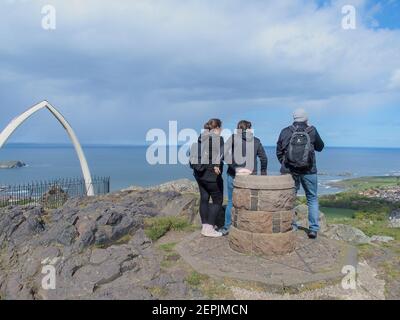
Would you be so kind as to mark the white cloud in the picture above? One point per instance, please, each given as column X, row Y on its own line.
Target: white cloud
column 154, row 60
column 395, row 80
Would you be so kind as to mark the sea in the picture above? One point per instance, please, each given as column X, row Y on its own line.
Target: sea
column 127, row 165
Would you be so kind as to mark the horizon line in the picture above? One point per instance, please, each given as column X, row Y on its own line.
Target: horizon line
column 64, row 144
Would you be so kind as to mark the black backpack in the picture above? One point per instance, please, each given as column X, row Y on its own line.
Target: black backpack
column 299, row 155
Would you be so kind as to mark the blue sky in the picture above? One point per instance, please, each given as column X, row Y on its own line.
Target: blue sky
column 117, row 69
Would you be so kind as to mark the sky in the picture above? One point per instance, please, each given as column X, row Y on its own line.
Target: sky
column 118, row 69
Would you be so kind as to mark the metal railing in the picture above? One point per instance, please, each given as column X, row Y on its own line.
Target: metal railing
column 50, row 194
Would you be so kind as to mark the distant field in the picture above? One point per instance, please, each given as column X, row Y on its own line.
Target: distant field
column 367, row 183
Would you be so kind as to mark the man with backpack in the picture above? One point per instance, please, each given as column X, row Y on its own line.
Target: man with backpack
column 296, row 152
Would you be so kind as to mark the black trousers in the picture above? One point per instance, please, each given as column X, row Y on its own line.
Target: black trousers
column 215, row 191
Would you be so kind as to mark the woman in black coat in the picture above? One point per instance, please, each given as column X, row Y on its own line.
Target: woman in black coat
column 207, row 171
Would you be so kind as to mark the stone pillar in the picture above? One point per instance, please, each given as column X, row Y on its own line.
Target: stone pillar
column 262, row 215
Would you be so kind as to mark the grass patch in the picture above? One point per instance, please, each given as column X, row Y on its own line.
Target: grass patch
column 195, row 279
column 211, row 288
column 167, row 247
column 17, row 203
column 391, row 269
column 156, row 227
column 158, row 292
column 170, row 256
column 365, row 251
column 376, row 228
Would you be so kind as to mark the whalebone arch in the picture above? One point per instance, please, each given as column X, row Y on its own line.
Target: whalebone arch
column 18, row 121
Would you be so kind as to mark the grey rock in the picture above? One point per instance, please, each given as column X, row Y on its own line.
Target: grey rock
column 19, row 224
column 394, row 219
column 384, row 239
column 180, row 186
column 347, row 233
column 301, row 216
column 97, row 246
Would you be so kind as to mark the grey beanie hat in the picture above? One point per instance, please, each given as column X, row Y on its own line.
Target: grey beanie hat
column 300, row 115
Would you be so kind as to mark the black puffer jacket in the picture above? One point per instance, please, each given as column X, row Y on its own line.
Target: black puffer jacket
column 283, row 142
column 241, row 141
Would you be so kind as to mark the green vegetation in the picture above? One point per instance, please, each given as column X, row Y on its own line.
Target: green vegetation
column 212, row 288
column 170, row 260
column 16, row 203
column 170, row 256
column 332, row 213
column 156, row 227
column 370, row 227
column 366, row 183
column 354, row 201
column 167, row 247
column 391, row 269
column 195, row 279
column 158, row 292
column 365, row 213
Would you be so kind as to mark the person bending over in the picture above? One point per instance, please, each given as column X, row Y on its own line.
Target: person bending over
column 241, row 153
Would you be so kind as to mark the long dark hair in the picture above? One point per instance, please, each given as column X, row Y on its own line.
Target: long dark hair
column 213, row 124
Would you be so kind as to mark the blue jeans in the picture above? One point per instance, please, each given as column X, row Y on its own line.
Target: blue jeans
column 309, row 183
column 228, row 210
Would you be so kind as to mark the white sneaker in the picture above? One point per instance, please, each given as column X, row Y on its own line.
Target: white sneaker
column 204, row 229
column 210, row 232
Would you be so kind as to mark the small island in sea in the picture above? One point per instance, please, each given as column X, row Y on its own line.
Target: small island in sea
column 11, row 164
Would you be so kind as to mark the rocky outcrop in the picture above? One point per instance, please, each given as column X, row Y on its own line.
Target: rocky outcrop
column 384, row 239
column 347, row 233
column 11, row 164
column 353, row 235
column 181, row 186
column 96, row 245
